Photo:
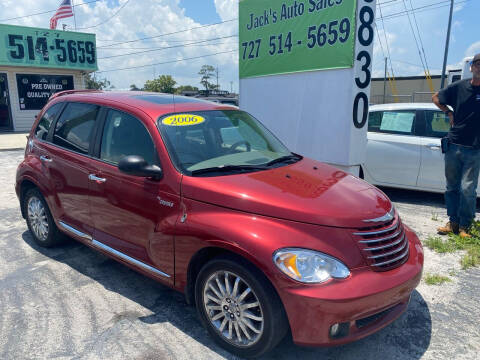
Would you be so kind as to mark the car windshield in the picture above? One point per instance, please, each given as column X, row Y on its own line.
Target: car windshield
column 212, row 143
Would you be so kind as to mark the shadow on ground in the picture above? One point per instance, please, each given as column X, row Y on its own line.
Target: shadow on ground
column 407, row 338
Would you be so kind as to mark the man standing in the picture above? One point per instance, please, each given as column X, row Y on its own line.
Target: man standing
column 462, row 157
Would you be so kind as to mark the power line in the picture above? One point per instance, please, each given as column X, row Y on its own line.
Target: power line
column 415, row 37
column 419, row 36
column 386, row 40
column 387, row 3
column 401, row 13
column 380, row 40
column 48, row 11
column 425, row 8
column 408, row 63
column 169, row 62
column 94, row 1
column 166, row 34
column 384, row 3
column 110, row 18
column 386, row 17
column 169, row 40
column 147, row 48
column 166, row 47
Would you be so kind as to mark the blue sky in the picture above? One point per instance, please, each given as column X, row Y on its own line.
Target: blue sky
column 202, row 11
column 432, row 24
column 139, row 18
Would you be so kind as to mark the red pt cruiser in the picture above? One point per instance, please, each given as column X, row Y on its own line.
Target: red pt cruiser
column 203, row 198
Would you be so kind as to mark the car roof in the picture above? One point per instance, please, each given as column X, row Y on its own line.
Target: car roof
column 151, row 103
column 404, row 106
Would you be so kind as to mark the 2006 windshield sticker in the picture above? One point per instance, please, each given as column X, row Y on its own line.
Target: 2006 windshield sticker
column 183, row 120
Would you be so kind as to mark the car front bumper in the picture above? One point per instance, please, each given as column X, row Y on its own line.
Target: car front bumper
column 362, row 304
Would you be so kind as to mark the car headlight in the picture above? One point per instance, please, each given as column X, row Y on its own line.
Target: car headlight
column 309, row 266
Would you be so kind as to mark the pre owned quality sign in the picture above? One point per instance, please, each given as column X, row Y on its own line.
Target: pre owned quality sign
column 278, row 37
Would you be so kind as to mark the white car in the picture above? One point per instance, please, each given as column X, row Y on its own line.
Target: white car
column 403, row 149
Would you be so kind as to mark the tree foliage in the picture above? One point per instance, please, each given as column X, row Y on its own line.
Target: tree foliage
column 183, row 88
column 207, row 72
column 134, row 87
column 100, row 84
column 163, row 84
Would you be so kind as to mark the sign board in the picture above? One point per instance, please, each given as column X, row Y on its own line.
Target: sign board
column 34, row 90
column 36, row 47
column 278, row 37
column 321, row 113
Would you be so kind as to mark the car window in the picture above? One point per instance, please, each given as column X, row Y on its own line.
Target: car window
column 125, row 135
column 45, row 122
column 75, row 127
column 392, row 122
column 437, row 124
column 217, row 138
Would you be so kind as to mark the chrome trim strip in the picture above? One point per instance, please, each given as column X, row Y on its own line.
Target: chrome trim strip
column 387, row 217
column 393, row 227
column 75, row 231
column 386, row 246
column 381, row 239
column 389, row 253
column 393, row 260
column 127, row 258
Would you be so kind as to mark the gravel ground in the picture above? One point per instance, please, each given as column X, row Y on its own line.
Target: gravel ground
column 72, row 302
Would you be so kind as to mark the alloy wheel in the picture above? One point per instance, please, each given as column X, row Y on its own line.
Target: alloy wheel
column 233, row 308
column 37, row 217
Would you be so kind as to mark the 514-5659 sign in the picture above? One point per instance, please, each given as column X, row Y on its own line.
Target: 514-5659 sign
column 286, row 36
column 35, row 47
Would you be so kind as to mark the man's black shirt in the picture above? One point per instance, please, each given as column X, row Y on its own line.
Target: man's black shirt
column 464, row 98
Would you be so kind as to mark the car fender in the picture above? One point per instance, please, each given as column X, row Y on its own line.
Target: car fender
column 31, row 171
column 255, row 238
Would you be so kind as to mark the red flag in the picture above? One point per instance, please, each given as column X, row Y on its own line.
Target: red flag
column 64, row 11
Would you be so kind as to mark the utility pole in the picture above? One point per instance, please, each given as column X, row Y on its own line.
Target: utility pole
column 74, row 17
column 446, row 46
column 385, row 83
column 217, row 77
column 231, row 87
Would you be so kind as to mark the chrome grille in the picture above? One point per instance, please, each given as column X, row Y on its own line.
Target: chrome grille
column 384, row 246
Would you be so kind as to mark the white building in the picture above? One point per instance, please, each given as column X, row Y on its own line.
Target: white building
column 34, row 64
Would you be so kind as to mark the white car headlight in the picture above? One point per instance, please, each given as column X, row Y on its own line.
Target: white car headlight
column 309, row 266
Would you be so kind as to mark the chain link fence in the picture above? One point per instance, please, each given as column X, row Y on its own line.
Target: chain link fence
column 415, row 97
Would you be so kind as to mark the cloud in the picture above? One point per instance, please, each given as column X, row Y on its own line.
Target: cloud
column 227, row 9
column 143, row 18
column 473, row 49
column 139, row 19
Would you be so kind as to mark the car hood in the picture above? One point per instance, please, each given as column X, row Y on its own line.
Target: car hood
column 307, row 191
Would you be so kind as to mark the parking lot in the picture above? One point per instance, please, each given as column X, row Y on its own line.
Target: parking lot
column 72, row 302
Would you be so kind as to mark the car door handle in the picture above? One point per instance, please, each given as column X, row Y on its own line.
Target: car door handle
column 433, row 146
column 97, row 179
column 44, row 158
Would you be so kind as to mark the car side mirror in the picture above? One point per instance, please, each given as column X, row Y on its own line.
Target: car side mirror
column 137, row 166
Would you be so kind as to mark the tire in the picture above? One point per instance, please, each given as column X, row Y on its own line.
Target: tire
column 39, row 220
column 226, row 320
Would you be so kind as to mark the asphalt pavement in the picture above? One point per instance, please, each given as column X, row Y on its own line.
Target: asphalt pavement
column 71, row 302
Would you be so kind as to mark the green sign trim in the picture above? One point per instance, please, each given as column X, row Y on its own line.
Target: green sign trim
column 37, row 47
column 279, row 37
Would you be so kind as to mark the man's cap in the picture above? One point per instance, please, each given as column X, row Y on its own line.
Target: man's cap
column 476, row 58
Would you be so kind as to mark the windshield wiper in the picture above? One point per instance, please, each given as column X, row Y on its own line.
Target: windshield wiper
column 286, row 158
column 228, row 168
